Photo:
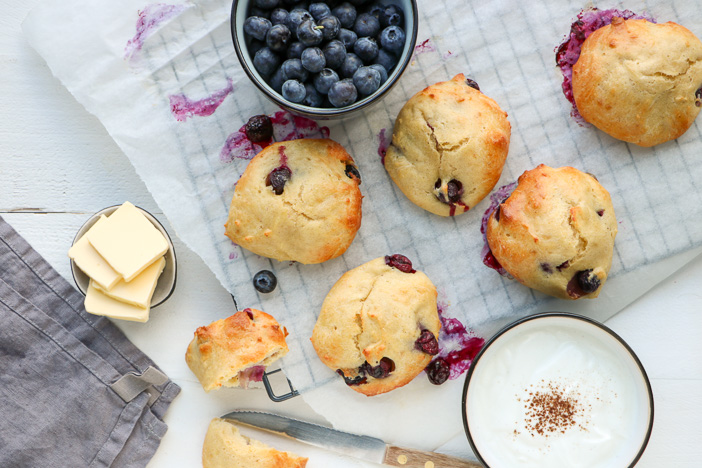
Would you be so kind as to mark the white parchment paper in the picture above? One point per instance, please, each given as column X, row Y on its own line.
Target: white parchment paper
column 137, row 67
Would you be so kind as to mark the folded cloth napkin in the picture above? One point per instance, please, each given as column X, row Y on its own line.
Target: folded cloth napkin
column 74, row 391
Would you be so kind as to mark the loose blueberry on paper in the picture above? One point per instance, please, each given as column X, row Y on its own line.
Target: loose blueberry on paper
column 342, row 53
column 265, row 281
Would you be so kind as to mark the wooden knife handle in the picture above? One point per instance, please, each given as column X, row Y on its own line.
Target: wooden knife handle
column 396, row 456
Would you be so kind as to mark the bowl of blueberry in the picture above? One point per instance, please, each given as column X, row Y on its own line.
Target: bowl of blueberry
column 325, row 59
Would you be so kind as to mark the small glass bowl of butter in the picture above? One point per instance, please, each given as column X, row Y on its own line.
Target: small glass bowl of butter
column 104, row 284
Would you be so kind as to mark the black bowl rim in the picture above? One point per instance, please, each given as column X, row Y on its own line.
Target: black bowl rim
column 313, row 111
column 571, row 316
column 151, row 217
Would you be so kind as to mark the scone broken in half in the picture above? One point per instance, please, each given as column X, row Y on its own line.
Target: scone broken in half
column 226, row 447
column 234, row 351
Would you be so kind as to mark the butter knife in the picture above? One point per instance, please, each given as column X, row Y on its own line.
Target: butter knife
column 357, row 446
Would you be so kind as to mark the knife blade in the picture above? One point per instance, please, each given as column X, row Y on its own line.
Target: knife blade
column 357, row 446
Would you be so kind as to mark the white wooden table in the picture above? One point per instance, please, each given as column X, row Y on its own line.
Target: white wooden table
column 58, row 166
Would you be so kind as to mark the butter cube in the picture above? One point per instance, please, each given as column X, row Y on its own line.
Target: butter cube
column 138, row 291
column 97, row 303
column 91, row 263
column 128, row 241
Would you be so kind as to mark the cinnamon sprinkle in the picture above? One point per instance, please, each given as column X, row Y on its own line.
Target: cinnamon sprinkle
column 552, row 409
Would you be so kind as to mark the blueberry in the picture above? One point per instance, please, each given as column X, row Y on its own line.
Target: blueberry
column 296, row 17
column 393, row 39
column 330, row 27
column 376, row 10
column 348, row 37
column 342, row 93
column 325, row 79
column 366, row 80
column 259, row 128
column 587, row 281
column 358, row 380
column 277, row 178
column 350, row 65
column 472, row 84
column 295, row 50
column 383, row 72
column 366, row 25
column 309, row 34
column 278, row 38
column 276, row 81
column 294, row 91
column 265, row 61
column 266, row 4
column 352, row 173
column 312, row 97
column 313, row 59
column 265, row 281
column 400, row 262
column 427, row 343
column 454, row 191
column 260, row 12
column 698, row 97
column 279, row 16
column 600, row 213
column 357, row 3
column 386, row 59
column 366, row 48
column 382, row 370
column 319, row 10
column 346, row 14
column 391, row 16
column 257, row 27
column 293, row 70
column 438, row 371
column 334, row 54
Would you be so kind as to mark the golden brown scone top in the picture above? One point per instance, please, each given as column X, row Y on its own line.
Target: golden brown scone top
column 315, row 216
column 637, row 81
column 220, row 350
column 448, row 136
column 555, row 231
column 226, row 447
column 373, row 312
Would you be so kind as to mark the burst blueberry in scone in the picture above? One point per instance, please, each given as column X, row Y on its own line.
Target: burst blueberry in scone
column 449, row 145
column 234, row 351
column 378, row 326
column 639, row 81
column 226, row 447
column 297, row 200
column 555, row 232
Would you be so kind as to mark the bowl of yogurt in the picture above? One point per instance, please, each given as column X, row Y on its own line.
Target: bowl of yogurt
column 554, row 390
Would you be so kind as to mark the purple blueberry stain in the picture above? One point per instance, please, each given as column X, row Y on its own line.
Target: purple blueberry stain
column 182, row 107
column 285, row 127
column 399, row 262
column 568, row 52
column 496, row 199
column 546, row 268
column 423, row 47
column 148, row 21
column 457, row 347
column 383, row 143
column 563, row 265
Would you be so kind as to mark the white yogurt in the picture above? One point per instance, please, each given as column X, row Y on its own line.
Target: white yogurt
column 557, row 391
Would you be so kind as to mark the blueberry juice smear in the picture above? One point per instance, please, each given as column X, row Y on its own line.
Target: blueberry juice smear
column 567, row 54
column 496, row 199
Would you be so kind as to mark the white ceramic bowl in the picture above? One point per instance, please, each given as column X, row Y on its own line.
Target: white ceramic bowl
column 557, row 390
column 166, row 282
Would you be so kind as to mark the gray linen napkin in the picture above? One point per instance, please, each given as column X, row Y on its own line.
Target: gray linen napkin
column 74, row 391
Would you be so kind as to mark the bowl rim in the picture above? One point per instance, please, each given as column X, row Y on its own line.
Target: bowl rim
column 319, row 112
column 569, row 315
column 171, row 248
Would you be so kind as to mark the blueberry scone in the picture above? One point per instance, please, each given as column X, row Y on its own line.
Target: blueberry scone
column 378, row 325
column 226, row 447
column 449, row 145
column 234, row 351
column 555, row 232
column 639, row 81
column 297, row 201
